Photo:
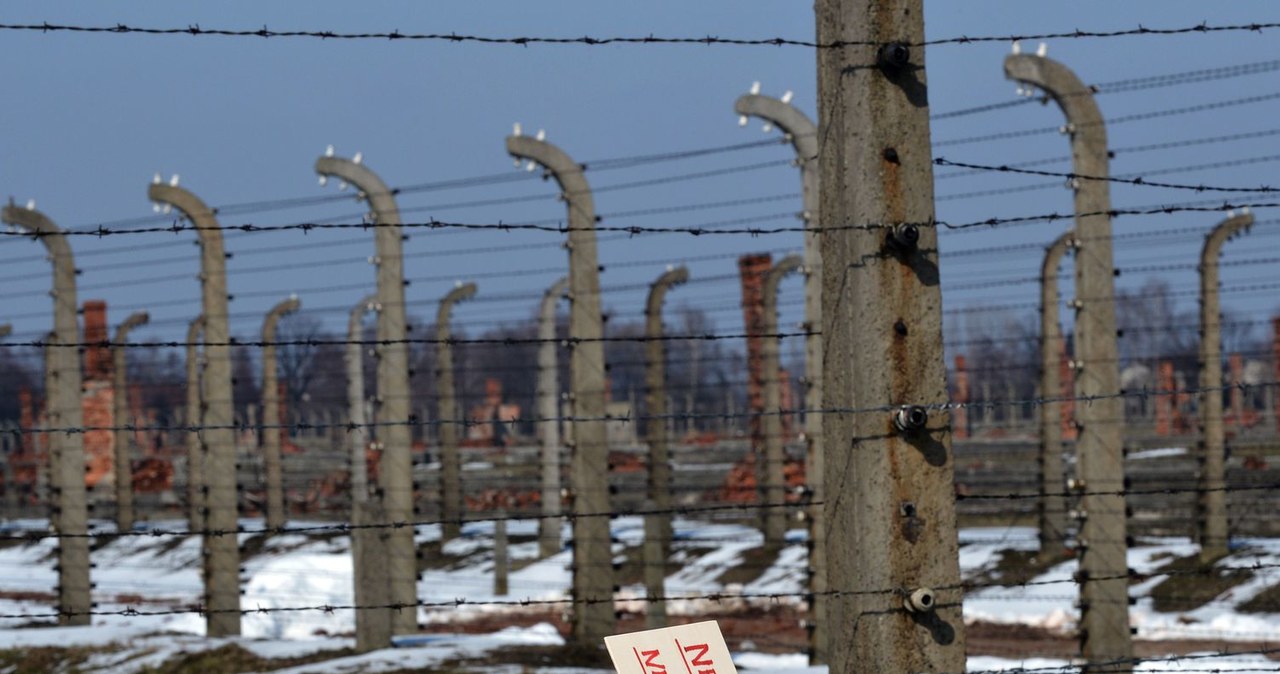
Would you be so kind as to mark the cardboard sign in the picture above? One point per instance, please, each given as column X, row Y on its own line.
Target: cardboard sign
column 697, row 648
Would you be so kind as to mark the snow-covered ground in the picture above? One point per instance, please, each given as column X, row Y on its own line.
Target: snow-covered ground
column 295, row 570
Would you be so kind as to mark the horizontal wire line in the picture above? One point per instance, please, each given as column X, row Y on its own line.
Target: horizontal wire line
column 308, row 227
column 1143, row 393
column 1004, row 168
column 195, row 30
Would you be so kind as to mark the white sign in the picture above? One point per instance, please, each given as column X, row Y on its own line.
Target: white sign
column 697, row 648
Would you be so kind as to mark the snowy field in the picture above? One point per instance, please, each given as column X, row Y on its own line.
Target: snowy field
column 161, row 573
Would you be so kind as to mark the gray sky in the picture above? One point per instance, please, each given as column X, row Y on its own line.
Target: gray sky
column 89, row 118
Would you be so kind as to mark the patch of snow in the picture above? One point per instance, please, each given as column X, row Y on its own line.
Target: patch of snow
column 1161, row 453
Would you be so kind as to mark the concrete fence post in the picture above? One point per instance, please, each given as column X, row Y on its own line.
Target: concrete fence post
column 773, row 487
column 359, row 424
column 548, row 411
column 222, row 552
column 273, row 426
column 194, row 417
column 589, row 473
column 892, row 547
column 53, row 448
column 120, row 419
column 657, row 521
column 1053, row 505
column 1104, row 597
column 392, row 404
column 62, row 363
column 501, row 559
column 1211, row 523
column 450, row 416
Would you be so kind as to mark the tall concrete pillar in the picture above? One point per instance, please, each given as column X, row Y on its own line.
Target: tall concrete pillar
column 120, row 419
column 773, row 483
column 803, row 134
column 62, row 363
column 657, row 430
column 589, row 474
column 273, row 430
column 194, row 419
column 395, row 472
column 359, row 428
column 1053, row 506
column 450, row 416
column 890, row 490
column 221, row 549
column 548, row 410
column 1104, row 624
column 1212, row 521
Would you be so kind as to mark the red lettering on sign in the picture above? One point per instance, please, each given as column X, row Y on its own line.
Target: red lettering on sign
column 700, row 659
column 650, row 663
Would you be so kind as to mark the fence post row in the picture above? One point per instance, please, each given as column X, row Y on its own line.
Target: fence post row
column 1211, row 523
column 450, row 416
column 62, row 392
column 1101, row 542
column 890, row 490
column 120, row 417
column 273, row 431
column 391, row 410
column 589, row 471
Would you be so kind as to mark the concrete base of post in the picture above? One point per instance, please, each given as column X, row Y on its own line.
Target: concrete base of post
column 501, row 560
column 655, row 568
column 369, row 553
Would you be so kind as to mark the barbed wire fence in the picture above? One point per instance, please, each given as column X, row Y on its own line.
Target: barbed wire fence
column 997, row 464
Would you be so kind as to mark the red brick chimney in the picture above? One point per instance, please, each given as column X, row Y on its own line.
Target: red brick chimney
column 960, row 415
column 751, row 270
column 97, row 359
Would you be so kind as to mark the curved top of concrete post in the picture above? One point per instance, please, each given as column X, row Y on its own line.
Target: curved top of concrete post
column 199, row 213
column 381, row 198
column 568, row 173
column 1066, row 89
column 1222, row 233
column 556, row 291
column 365, row 305
column 194, row 329
column 41, row 227
column 658, row 289
column 802, row 132
column 774, row 276
column 1053, row 255
column 273, row 318
column 547, row 311
column 461, row 292
column 134, row 320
